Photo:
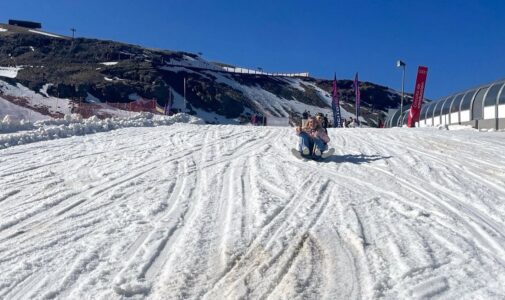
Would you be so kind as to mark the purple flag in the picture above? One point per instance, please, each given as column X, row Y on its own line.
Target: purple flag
column 167, row 109
column 358, row 100
column 168, row 105
column 335, row 105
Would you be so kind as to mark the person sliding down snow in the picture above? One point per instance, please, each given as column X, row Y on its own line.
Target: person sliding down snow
column 313, row 139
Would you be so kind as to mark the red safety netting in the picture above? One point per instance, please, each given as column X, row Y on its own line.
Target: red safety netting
column 109, row 109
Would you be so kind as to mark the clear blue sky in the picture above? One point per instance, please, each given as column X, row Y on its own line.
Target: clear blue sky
column 462, row 42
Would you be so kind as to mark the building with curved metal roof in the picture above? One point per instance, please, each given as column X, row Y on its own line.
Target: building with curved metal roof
column 480, row 107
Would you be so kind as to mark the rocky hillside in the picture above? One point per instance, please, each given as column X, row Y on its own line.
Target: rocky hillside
column 89, row 70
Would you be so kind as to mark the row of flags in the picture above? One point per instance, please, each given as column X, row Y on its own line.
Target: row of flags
column 335, row 103
column 422, row 73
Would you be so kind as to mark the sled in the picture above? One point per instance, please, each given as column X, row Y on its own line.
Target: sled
column 324, row 156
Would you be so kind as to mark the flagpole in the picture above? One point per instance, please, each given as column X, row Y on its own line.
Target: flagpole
column 357, row 95
column 185, row 105
column 168, row 107
column 402, row 64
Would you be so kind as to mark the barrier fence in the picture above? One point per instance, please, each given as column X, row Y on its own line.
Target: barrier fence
column 110, row 108
column 197, row 64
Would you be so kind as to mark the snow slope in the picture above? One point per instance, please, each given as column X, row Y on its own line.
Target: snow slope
column 226, row 212
column 268, row 102
column 35, row 100
column 19, row 112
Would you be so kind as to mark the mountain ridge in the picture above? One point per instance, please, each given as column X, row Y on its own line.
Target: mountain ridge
column 80, row 68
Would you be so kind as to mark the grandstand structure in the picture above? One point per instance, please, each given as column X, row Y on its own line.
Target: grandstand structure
column 482, row 107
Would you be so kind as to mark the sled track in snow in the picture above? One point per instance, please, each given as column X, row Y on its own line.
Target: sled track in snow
column 219, row 212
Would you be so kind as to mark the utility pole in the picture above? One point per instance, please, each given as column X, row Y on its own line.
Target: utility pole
column 73, row 32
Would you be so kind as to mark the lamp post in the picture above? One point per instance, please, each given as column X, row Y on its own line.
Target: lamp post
column 401, row 64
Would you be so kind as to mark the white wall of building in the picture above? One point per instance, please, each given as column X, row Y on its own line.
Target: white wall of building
column 489, row 112
column 465, row 116
column 501, row 111
column 454, row 118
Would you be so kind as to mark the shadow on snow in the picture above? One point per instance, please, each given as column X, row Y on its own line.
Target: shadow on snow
column 354, row 158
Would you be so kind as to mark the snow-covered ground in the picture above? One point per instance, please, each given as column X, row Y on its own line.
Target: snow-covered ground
column 226, row 212
column 19, row 132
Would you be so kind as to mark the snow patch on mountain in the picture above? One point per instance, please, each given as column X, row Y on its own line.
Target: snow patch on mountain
column 44, row 88
column 92, row 99
column 45, row 33
column 9, row 72
column 17, row 112
column 35, row 100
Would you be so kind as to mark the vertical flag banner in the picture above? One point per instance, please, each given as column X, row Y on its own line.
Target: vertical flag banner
column 168, row 106
column 415, row 109
column 358, row 100
column 185, row 104
column 335, row 104
column 160, row 109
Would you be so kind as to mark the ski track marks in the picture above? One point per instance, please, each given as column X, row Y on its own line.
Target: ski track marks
column 226, row 212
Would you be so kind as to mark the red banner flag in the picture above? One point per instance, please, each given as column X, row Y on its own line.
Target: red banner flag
column 415, row 109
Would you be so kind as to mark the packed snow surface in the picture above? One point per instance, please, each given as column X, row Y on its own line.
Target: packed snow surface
column 226, row 212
